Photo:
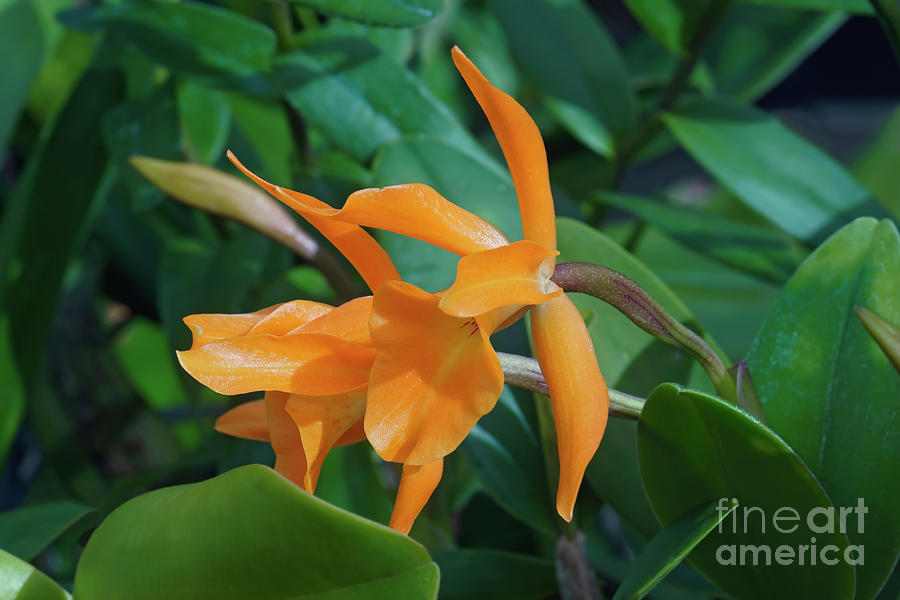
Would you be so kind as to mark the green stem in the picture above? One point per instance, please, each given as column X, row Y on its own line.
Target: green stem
column 283, row 24
column 626, row 296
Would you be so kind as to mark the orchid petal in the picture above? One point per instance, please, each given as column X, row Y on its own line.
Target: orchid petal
column 289, row 316
column 360, row 248
column 311, row 364
column 207, row 328
column 577, row 390
column 523, row 149
column 518, row 274
column 434, row 376
column 321, row 421
column 290, row 459
column 349, row 321
column 417, row 483
column 247, row 421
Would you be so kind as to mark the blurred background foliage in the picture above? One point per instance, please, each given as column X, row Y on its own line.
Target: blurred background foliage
column 717, row 142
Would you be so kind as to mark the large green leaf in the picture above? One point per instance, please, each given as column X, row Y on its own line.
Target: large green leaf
column 505, row 451
column 394, row 13
column 205, row 120
column 774, row 171
column 190, row 37
column 471, row 182
column 674, row 23
column 855, row 6
column 830, row 391
column 249, row 533
column 695, row 449
column 668, row 549
column 877, row 167
column 746, row 70
column 489, row 574
column 361, row 99
column 12, row 396
column 26, row 531
column 21, row 581
column 564, row 48
column 21, row 37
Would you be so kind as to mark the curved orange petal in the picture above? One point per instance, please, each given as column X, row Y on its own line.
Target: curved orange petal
column 518, row 274
column 207, row 328
column 356, row 433
column 577, row 390
column 417, row 483
column 312, row 364
column 523, row 149
column 290, row 460
column 360, row 248
column 434, row 376
column 322, row 421
column 289, row 316
column 247, row 420
column 349, row 321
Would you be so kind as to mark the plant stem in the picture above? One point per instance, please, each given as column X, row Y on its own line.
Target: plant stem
column 573, row 571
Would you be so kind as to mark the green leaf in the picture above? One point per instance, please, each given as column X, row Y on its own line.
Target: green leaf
column 21, row 581
column 476, row 184
column 829, row 390
column 248, row 533
column 504, row 449
column 490, row 574
column 22, row 37
column 854, row 6
column 746, row 149
column 205, row 120
column 24, row 532
column 393, row 13
column 674, row 23
column 746, row 70
column 886, row 334
column 877, row 169
column 12, row 396
column 760, row 251
column 668, row 548
column 566, row 51
column 695, row 449
column 193, row 38
column 630, row 359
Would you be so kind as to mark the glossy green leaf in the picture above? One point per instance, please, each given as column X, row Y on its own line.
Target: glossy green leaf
column 489, row 574
column 695, row 449
column 830, row 391
column 630, row 359
column 205, row 120
column 886, row 334
column 877, row 167
column 567, row 52
column 746, row 70
column 361, row 99
column 12, row 396
column 504, row 449
column 393, row 13
column 674, row 23
column 854, row 6
column 249, row 533
column 190, row 37
column 21, row 37
column 475, row 184
column 24, row 532
column 760, row 251
column 745, row 150
column 21, row 581
column 668, row 548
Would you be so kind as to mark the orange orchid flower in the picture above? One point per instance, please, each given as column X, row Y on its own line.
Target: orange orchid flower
column 435, row 373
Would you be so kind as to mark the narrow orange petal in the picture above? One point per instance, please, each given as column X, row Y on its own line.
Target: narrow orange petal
column 577, row 390
column 290, row 459
column 211, row 327
column 523, row 149
column 349, row 321
column 247, row 420
column 356, row 433
column 417, row 483
column 360, row 248
column 434, row 376
column 289, row 316
column 311, row 364
column 518, row 274
column 322, row 421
